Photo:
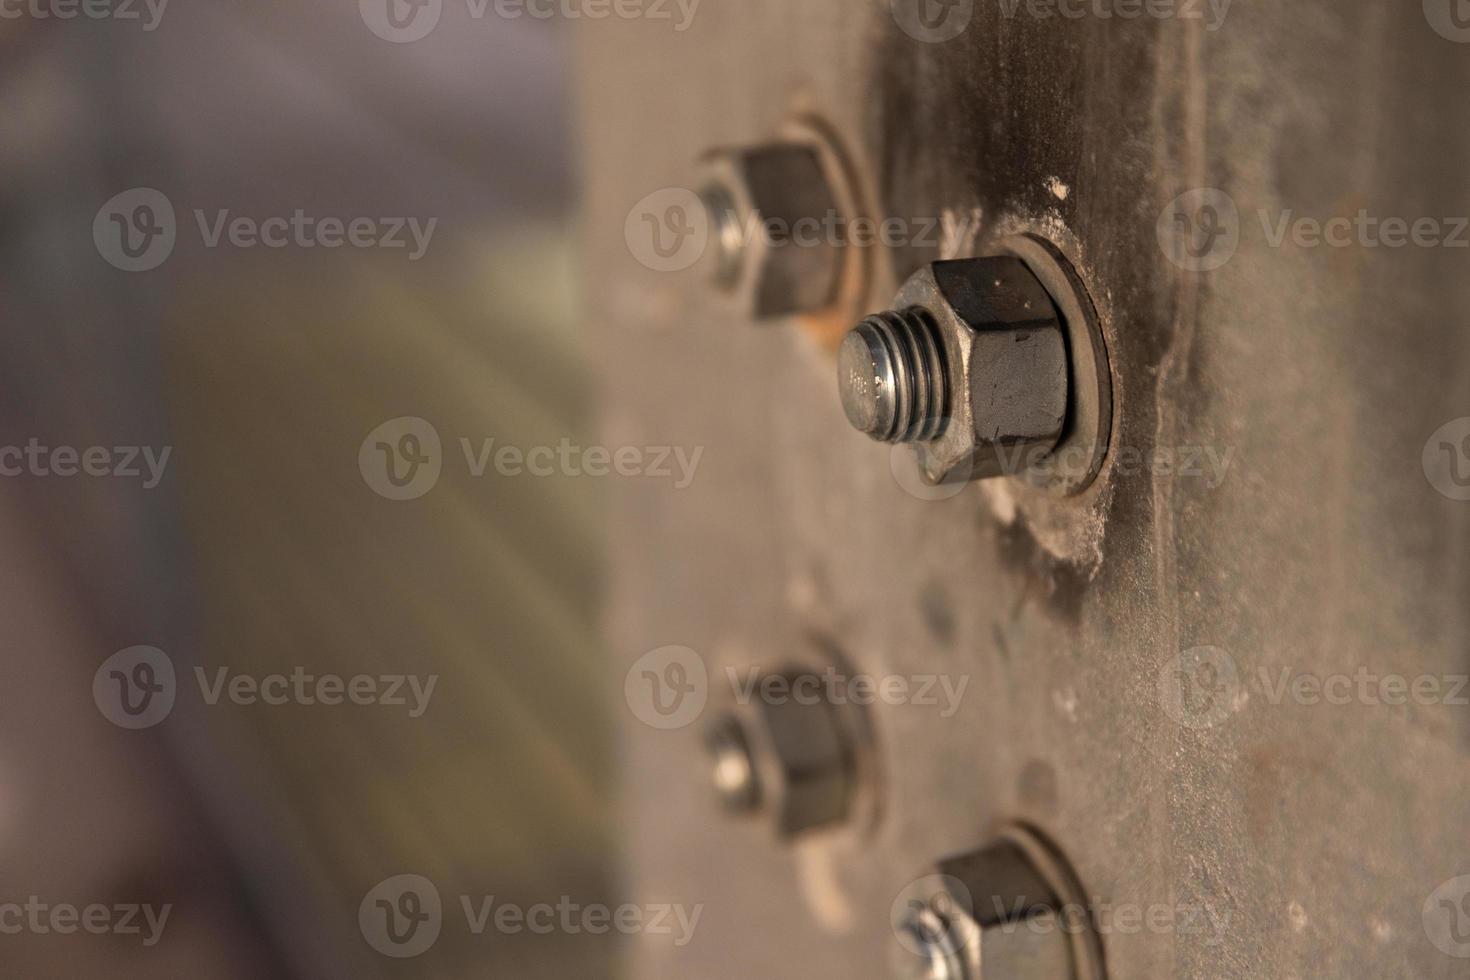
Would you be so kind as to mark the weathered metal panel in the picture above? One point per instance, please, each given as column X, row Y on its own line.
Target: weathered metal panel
column 1311, row 541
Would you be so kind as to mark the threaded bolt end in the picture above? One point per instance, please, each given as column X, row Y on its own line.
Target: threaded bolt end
column 725, row 234
column 732, row 768
column 892, row 374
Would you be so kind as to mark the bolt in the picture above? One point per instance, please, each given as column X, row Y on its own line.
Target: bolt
column 771, row 208
column 935, row 936
column 732, row 769
column 999, row 913
column 725, row 232
column 894, row 385
column 970, row 366
column 789, row 760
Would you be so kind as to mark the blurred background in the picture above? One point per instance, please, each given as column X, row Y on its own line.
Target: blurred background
column 304, row 677
column 262, row 547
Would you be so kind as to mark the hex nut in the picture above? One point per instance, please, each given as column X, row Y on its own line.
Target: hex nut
column 774, row 219
column 1005, row 352
column 1012, row 909
column 788, row 759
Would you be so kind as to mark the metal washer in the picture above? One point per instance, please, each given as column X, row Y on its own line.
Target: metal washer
column 1078, row 456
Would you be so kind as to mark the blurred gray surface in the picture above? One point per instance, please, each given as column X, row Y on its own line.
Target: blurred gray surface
column 264, row 549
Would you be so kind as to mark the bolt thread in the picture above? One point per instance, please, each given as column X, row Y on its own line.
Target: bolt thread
column 719, row 204
column 920, row 396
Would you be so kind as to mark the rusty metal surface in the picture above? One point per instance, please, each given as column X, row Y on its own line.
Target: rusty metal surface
column 1285, row 838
